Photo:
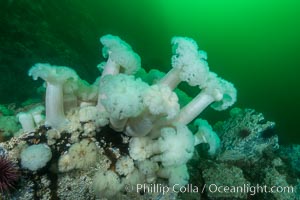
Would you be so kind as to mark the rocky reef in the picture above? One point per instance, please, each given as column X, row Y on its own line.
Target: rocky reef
column 81, row 157
column 250, row 163
column 127, row 135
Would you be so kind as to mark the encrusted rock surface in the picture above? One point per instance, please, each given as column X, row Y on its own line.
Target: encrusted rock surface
column 250, row 156
column 246, row 136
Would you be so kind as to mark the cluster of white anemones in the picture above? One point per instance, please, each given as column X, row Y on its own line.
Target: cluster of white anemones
column 142, row 105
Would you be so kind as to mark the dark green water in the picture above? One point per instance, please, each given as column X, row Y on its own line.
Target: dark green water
column 254, row 44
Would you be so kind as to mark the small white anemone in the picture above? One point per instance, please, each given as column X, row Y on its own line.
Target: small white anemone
column 205, row 134
column 106, row 184
column 55, row 76
column 188, row 64
column 138, row 148
column 177, row 176
column 217, row 92
column 81, row 155
column 124, row 165
column 120, row 56
column 123, row 98
column 149, row 169
column 175, row 146
column 26, row 121
column 161, row 103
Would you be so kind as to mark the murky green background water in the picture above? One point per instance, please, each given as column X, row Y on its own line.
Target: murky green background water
column 254, row 44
